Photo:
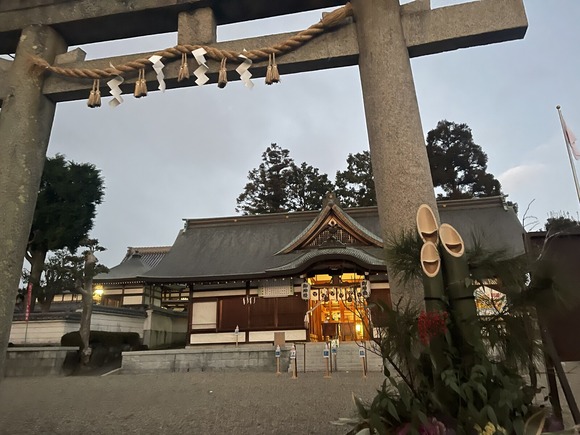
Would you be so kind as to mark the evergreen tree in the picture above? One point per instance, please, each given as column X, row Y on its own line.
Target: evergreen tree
column 266, row 192
column 279, row 185
column 355, row 187
column 65, row 210
column 458, row 164
column 560, row 222
column 307, row 187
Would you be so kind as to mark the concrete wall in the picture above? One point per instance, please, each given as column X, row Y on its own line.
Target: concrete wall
column 157, row 327
column 243, row 358
column 164, row 327
column 37, row 361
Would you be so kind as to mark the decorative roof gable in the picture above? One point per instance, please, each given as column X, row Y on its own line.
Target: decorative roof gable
column 332, row 228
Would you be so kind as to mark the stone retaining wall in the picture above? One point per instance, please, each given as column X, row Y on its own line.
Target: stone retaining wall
column 38, row 361
column 204, row 359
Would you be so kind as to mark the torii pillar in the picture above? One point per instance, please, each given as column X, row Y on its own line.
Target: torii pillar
column 398, row 153
column 25, row 122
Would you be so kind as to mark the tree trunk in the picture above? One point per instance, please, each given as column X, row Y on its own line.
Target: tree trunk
column 87, row 293
column 36, row 269
column 85, row 328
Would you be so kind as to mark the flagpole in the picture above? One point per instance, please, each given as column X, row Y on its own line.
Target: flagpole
column 569, row 150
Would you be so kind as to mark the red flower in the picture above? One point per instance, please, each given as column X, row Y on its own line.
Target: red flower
column 431, row 324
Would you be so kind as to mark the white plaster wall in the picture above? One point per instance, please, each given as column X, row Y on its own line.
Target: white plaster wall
column 290, row 335
column 113, row 323
column 214, row 337
column 41, row 331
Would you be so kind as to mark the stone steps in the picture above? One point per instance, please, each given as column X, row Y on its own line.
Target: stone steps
column 310, row 355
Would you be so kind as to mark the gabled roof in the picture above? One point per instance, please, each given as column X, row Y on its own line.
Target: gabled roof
column 334, row 217
column 244, row 247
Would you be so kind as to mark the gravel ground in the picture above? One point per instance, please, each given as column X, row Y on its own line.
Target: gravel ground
column 182, row 403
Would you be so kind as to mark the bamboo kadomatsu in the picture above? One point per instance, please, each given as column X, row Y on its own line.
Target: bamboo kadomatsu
column 459, row 289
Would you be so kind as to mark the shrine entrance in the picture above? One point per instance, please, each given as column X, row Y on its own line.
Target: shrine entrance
column 380, row 36
column 337, row 309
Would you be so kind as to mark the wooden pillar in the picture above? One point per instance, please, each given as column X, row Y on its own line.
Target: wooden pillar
column 189, row 313
column 398, row 153
column 247, row 333
column 25, row 124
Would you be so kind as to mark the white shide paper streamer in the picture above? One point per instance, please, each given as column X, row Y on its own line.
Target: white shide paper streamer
column 243, row 71
column 201, row 71
column 116, row 92
column 158, row 67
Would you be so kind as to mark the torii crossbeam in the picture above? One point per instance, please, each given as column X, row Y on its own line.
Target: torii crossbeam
column 381, row 40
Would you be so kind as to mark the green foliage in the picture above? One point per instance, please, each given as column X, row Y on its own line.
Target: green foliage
column 279, row 185
column 355, row 187
column 307, row 187
column 65, row 211
column 487, row 387
column 66, row 207
column 561, row 222
column 458, row 164
column 403, row 252
column 461, row 397
column 104, row 338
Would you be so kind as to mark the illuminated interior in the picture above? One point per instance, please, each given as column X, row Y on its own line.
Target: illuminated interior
column 98, row 293
column 336, row 308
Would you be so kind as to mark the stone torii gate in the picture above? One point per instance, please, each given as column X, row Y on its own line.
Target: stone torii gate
column 382, row 38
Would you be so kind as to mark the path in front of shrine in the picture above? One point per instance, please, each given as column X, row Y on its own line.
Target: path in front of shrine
column 195, row 403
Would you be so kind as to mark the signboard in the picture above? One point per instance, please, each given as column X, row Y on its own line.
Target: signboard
column 278, row 352
column 361, row 352
column 326, row 353
column 293, row 354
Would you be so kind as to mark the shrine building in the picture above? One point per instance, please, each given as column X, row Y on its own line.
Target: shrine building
column 311, row 275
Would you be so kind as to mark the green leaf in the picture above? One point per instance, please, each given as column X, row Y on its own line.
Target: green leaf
column 386, row 370
column 535, row 423
column 393, row 411
column 481, row 391
column 376, row 424
column 422, row 417
column 491, row 415
column 518, row 424
column 360, row 407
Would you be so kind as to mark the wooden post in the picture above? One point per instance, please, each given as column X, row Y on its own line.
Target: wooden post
column 394, row 126
column 25, row 124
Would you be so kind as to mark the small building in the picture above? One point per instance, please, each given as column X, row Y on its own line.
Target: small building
column 308, row 274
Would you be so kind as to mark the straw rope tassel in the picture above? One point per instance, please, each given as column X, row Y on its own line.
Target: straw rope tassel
column 183, row 69
column 275, row 73
column 223, row 74
column 268, row 79
column 141, row 85
column 95, row 95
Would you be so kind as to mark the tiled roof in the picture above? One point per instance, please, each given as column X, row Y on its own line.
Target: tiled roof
column 137, row 261
column 150, row 255
column 243, row 247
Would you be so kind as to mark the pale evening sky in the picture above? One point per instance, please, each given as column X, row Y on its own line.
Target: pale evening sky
column 186, row 153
